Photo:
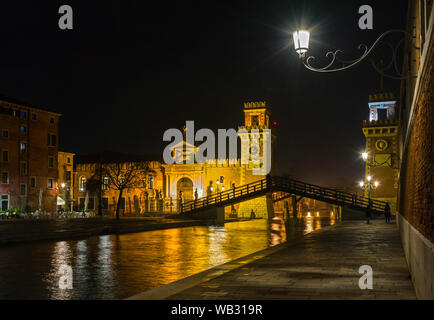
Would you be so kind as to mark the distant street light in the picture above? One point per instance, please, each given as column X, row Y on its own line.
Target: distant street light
column 368, row 185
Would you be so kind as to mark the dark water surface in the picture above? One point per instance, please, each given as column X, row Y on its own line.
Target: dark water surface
column 119, row 266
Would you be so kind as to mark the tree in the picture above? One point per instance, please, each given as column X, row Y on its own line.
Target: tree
column 124, row 175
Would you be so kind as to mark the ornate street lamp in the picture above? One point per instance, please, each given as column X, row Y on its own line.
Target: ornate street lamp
column 369, row 185
column 301, row 45
column 301, row 42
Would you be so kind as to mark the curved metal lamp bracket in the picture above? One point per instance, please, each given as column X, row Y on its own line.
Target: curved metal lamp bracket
column 366, row 52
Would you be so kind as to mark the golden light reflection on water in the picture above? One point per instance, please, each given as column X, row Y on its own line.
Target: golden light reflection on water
column 119, row 266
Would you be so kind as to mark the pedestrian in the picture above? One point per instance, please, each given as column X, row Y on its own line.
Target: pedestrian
column 387, row 213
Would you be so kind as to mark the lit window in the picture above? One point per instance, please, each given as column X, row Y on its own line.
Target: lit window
column 105, row 183
column 82, row 184
column 151, row 182
column 50, row 183
column 34, row 117
column 5, row 134
column 23, row 146
column 23, row 129
column 23, row 114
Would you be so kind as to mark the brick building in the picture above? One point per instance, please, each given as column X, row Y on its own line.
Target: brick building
column 416, row 180
column 29, row 154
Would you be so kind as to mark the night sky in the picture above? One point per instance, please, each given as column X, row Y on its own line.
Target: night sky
column 132, row 69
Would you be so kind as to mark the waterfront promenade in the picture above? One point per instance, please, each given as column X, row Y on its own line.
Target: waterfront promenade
column 18, row 231
column 321, row 265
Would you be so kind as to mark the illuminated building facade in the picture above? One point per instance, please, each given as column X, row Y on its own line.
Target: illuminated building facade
column 382, row 163
column 167, row 185
column 29, row 156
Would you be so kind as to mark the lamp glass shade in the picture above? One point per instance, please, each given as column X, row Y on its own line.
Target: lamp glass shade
column 301, row 41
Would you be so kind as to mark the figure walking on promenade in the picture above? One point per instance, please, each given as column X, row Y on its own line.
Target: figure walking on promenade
column 387, row 213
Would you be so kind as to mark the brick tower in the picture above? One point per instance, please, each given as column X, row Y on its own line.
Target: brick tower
column 381, row 132
column 256, row 117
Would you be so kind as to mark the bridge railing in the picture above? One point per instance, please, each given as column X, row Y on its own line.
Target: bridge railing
column 302, row 188
column 287, row 185
column 224, row 196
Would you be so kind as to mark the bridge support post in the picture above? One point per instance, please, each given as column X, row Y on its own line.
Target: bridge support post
column 294, row 207
column 270, row 206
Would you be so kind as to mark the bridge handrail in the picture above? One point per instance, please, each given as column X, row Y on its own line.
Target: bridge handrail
column 271, row 183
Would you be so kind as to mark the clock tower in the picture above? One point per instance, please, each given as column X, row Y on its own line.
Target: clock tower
column 257, row 127
column 382, row 162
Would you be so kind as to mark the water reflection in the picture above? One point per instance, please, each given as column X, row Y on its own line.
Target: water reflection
column 118, row 266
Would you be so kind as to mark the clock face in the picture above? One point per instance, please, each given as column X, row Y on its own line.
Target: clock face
column 382, row 145
column 254, row 151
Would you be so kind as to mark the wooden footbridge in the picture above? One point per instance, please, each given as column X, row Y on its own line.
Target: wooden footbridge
column 285, row 188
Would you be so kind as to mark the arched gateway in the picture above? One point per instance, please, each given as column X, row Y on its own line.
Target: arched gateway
column 186, row 186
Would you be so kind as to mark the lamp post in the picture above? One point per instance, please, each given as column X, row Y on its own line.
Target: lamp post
column 368, row 184
column 301, row 45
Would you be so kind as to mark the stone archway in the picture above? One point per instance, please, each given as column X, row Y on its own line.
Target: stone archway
column 186, row 186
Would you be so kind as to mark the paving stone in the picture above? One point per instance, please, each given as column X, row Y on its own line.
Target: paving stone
column 323, row 265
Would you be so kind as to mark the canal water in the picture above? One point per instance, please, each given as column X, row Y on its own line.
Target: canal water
column 119, row 266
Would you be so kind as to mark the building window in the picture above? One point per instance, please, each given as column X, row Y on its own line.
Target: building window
column 34, row 117
column 23, row 129
column 23, row 114
column 33, row 182
column 68, row 175
column 52, row 141
column 50, row 183
column 52, row 120
column 255, row 121
column 23, row 146
column 68, row 160
column 4, row 202
column 5, row 178
column 23, row 168
column 90, row 203
column 5, row 156
column 105, row 183
column 5, row 134
column 151, row 182
column 50, row 162
column 82, row 184
column 104, row 203
column 23, row 189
